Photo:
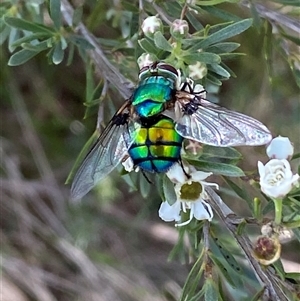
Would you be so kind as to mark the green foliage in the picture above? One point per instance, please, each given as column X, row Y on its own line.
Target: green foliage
column 35, row 31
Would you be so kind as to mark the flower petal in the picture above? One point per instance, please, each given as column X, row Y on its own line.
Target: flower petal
column 169, row 213
column 202, row 210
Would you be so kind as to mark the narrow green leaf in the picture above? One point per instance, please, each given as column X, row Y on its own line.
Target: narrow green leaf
column 221, row 13
column 90, row 83
column 218, row 168
column 29, row 26
column 147, row 46
column 161, row 42
column 224, row 47
column 32, row 37
column 223, row 34
column 194, row 21
column 21, row 57
column 211, row 291
column 229, row 274
column 71, row 50
column 54, row 7
column 4, row 34
column 213, row 79
column 13, row 36
column 168, row 190
column 40, row 46
column 144, row 187
column 81, row 42
column 219, row 70
column 221, row 152
column 77, row 16
column 215, row 2
column 240, row 192
column 203, row 57
column 58, row 53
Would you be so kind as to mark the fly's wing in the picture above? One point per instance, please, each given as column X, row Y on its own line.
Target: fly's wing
column 106, row 154
column 211, row 124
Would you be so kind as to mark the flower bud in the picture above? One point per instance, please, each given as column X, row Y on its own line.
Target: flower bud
column 267, row 249
column 151, row 25
column 280, row 148
column 179, row 29
column 197, row 71
column 146, row 59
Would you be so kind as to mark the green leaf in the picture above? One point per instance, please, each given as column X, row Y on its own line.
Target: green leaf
column 211, row 291
column 220, row 13
column 194, row 21
column 214, row 2
column 293, row 275
column 40, row 46
column 4, row 34
column 144, row 186
column 223, row 34
column 81, row 42
column 213, row 79
column 21, row 57
column 240, row 192
column 203, row 57
column 29, row 26
column 218, row 168
column 219, row 70
column 147, row 46
column 54, row 7
column 224, row 47
column 161, row 42
column 32, row 37
column 58, row 53
column 296, row 156
column 13, row 36
column 221, row 152
column 168, row 191
column 288, row 2
column 77, row 16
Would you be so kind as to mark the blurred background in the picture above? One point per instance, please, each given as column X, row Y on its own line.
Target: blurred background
column 111, row 245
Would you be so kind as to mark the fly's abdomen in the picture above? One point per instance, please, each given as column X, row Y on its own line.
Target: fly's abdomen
column 157, row 146
column 152, row 94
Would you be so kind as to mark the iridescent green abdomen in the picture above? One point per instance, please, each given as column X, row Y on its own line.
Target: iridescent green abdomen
column 157, row 146
column 152, row 94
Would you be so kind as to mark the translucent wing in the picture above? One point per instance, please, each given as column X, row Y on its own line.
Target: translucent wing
column 211, row 124
column 108, row 151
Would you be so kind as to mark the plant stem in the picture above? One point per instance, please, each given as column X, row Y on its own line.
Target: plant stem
column 278, row 210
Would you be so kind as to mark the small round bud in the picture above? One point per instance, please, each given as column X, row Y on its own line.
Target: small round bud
column 280, row 148
column 151, row 25
column 267, row 249
column 179, row 29
column 197, row 71
column 146, row 59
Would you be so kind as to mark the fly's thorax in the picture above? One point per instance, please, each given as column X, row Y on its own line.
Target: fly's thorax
column 152, row 95
column 157, row 146
column 159, row 69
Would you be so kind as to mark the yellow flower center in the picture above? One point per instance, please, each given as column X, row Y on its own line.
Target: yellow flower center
column 191, row 192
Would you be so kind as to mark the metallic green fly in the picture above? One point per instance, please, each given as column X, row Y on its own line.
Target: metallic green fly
column 151, row 125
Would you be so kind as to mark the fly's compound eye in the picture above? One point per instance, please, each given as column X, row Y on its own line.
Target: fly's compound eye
column 166, row 67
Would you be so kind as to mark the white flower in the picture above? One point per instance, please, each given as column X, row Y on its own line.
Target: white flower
column 276, row 178
column 146, row 59
column 151, row 25
column 191, row 195
column 280, row 148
